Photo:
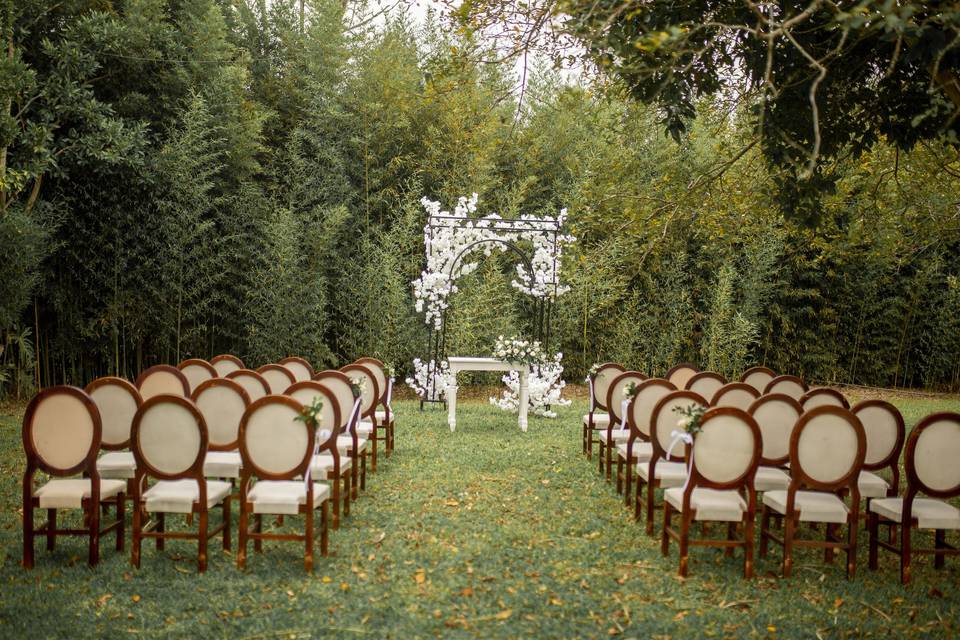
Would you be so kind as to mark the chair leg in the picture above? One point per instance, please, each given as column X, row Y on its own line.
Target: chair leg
column 258, row 528
column 627, row 482
column 788, row 529
column 137, row 536
column 852, row 547
column 242, row 536
column 28, row 533
column 93, row 511
column 226, row 523
column 202, row 542
column 347, row 488
column 51, row 527
column 609, row 450
column 650, row 507
column 748, row 541
column 731, row 535
column 121, row 518
column 905, row 532
column 828, row 536
column 161, row 527
column 363, row 474
column 764, row 528
column 335, row 493
column 638, row 500
column 324, row 529
column 873, row 526
column 308, row 539
column 684, row 543
column 664, row 535
column 355, row 470
column 600, row 458
column 373, row 451
column 583, row 438
column 939, row 544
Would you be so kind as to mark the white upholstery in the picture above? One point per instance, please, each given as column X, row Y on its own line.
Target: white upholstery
column 758, row 380
column 618, row 394
column 815, row 400
column 882, row 430
column 276, row 440
column 222, row 464
column 364, row 428
column 616, row 435
column 62, row 430
column 69, row 493
column 382, row 415
column 827, row 448
column 601, row 384
column 117, row 407
column 682, row 376
column 813, row 506
column 871, row 485
column 222, row 408
column 709, row 504
column 117, row 465
column 706, row 387
column 937, row 455
column 645, row 402
column 776, row 419
column 930, row 514
column 298, row 370
column 196, row 375
column 169, row 437
column 737, row 397
column 599, row 419
column 345, row 444
column 161, row 382
column 323, row 464
column 788, row 387
column 179, row 496
column 252, row 385
column 670, row 474
column 771, row 479
column 723, row 450
column 277, row 379
column 667, row 420
column 284, row 496
column 225, row 366
column 642, row 451
column 367, row 397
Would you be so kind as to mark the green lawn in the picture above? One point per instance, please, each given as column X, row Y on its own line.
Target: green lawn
column 483, row 532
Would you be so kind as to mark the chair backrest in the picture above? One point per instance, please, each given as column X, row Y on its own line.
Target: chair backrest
column 932, row 452
column 300, row 368
column 197, row 371
column 61, row 432
column 252, row 382
column 739, row 395
column 776, row 415
column 278, row 378
column 118, row 401
column 338, row 384
column 307, row 391
column 758, row 377
column 162, row 379
column 789, row 385
column 225, row 363
column 606, row 373
column 640, row 413
column 379, row 372
column 665, row 420
column 827, row 449
column 275, row 444
column 371, row 392
column 680, row 375
column 727, row 449
column 885, row 432
column 821, row 397
column 222, row 402
column 706, row 383
column 617, row 393
column 169, row 439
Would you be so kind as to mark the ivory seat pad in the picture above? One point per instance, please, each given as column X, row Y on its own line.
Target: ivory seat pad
column 670, row 474
column 345, row 444
column 68, row 493
column 709, row 504
column 323, row 464
column 382, row 415
column 642, row 451
column 179, row 496
column 222, row 464
column 871, row 485
column 930, row 513
column 117, row 465
column 771, row 479
column 814, row 506
column 364, row 428
column 617, row 435
column 599, row 419
column 284, row 496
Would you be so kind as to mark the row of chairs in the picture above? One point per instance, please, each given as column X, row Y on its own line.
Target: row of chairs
column 196, row 445
column 813, row 452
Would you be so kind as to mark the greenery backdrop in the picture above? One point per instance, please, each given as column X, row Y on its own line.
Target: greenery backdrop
column 187, row 177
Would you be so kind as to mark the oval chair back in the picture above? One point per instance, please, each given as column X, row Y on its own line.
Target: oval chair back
column 252, row 382
column 738, row 395
column 821, row 397
column 727, row 449
column 649, row 394
column 197, row 372
column 278, row 378
column 758, row 378
column 885, row 431
column 300, row 368
column 338, row 384
column 706, row 383
column 169, row 439
column 222, row 402
column 117, row 401
column 827, row 449
column 307, row 392
column 776, row 414
column 225, row 363
column 61, row 432
column 931, row 456
column 789, row 385
column 379, row 371
column 664, row 422
column 606, row 373
column 617, row 394
column 371, row 391
column 162, row 379
column 680, row 375
column 275, row 444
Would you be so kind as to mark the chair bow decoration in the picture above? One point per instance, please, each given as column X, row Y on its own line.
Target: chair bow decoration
column 686, row 437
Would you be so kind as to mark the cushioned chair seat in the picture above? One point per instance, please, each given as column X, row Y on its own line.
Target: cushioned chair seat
column 642, row 451
column 382, row 415
column 771, row 479
column 117, row 465
column 814, row 506
column 345, row 444
column 618, row 435
column 710, row 504
column 871, row 485
column 670, row 474
column 323, row 464
column 284, row 496
column 69, row 493
column 179, row 496
column 364, row 428
column 222, row 464
column 930, row 513
column 599, row 419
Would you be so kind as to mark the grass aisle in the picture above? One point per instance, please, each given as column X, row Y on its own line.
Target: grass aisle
column 486, row 532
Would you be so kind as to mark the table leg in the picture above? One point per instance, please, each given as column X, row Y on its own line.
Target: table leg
column 452, row 407
column 524, row 401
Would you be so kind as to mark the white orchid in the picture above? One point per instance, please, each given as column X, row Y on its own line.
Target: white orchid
column 544, row 387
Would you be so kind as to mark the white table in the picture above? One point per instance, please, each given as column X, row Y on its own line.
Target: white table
column 458, row 364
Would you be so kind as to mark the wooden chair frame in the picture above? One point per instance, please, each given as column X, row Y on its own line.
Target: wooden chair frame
column 371, row 411
column 358, row 458
column 157, row 368
column 823, row 391
column 772, row 385
column 279, row 369
column 732, row 387
column 677, row 369
column 752, row 371
column 303, row 362
column 254, row 375
column 226, row 357
column 775, row 397
column 892, row 459
column 626, row 467
column 203, row 364
column 605, row 451
column 590, row 428
column 376, row 365
column 125, row 444
column 705, row 375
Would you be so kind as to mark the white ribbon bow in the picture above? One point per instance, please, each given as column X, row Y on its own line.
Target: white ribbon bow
column 589, row 382
column 318, row 437
column 389, row 394
column 623, row 414
column 678, row 437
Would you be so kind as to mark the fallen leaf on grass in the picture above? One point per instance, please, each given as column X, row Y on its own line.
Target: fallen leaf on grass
column 135, row 598
column 420, row 576
column 934, row 593
column 503, row 615
column 102, row 600
column 466, row 592
column 326, row 579
column 380, row 538
column 452, row 503
column 680, row 616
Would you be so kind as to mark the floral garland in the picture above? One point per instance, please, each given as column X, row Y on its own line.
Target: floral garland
column 544, row 388
column 514, row 349
column 430, row 375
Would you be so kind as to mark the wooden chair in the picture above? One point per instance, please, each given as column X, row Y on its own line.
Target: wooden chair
column 277, row 448
column 278, row 378
column 885, row 432
column 776, row 414
column 595, row 422
column 720, row 487
column 349, row 441
column 384, row 415
column 117, row 401
column 637, row 448
column 367, row 424
column 61, row 437
column 787, row 385
column 680, row 375
column 197, row 371
column 931, row 457
column 758, row 378
column 169, row 442
column 827, row 448
column 252, row 382
column 300, row 368
column 162, row 379
column 331, row 466
column 738, row 395
column 616, row 431
column 225, row 363
column 706, row 383
column 661, row 470
column 822, row 397
column 222, row 403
